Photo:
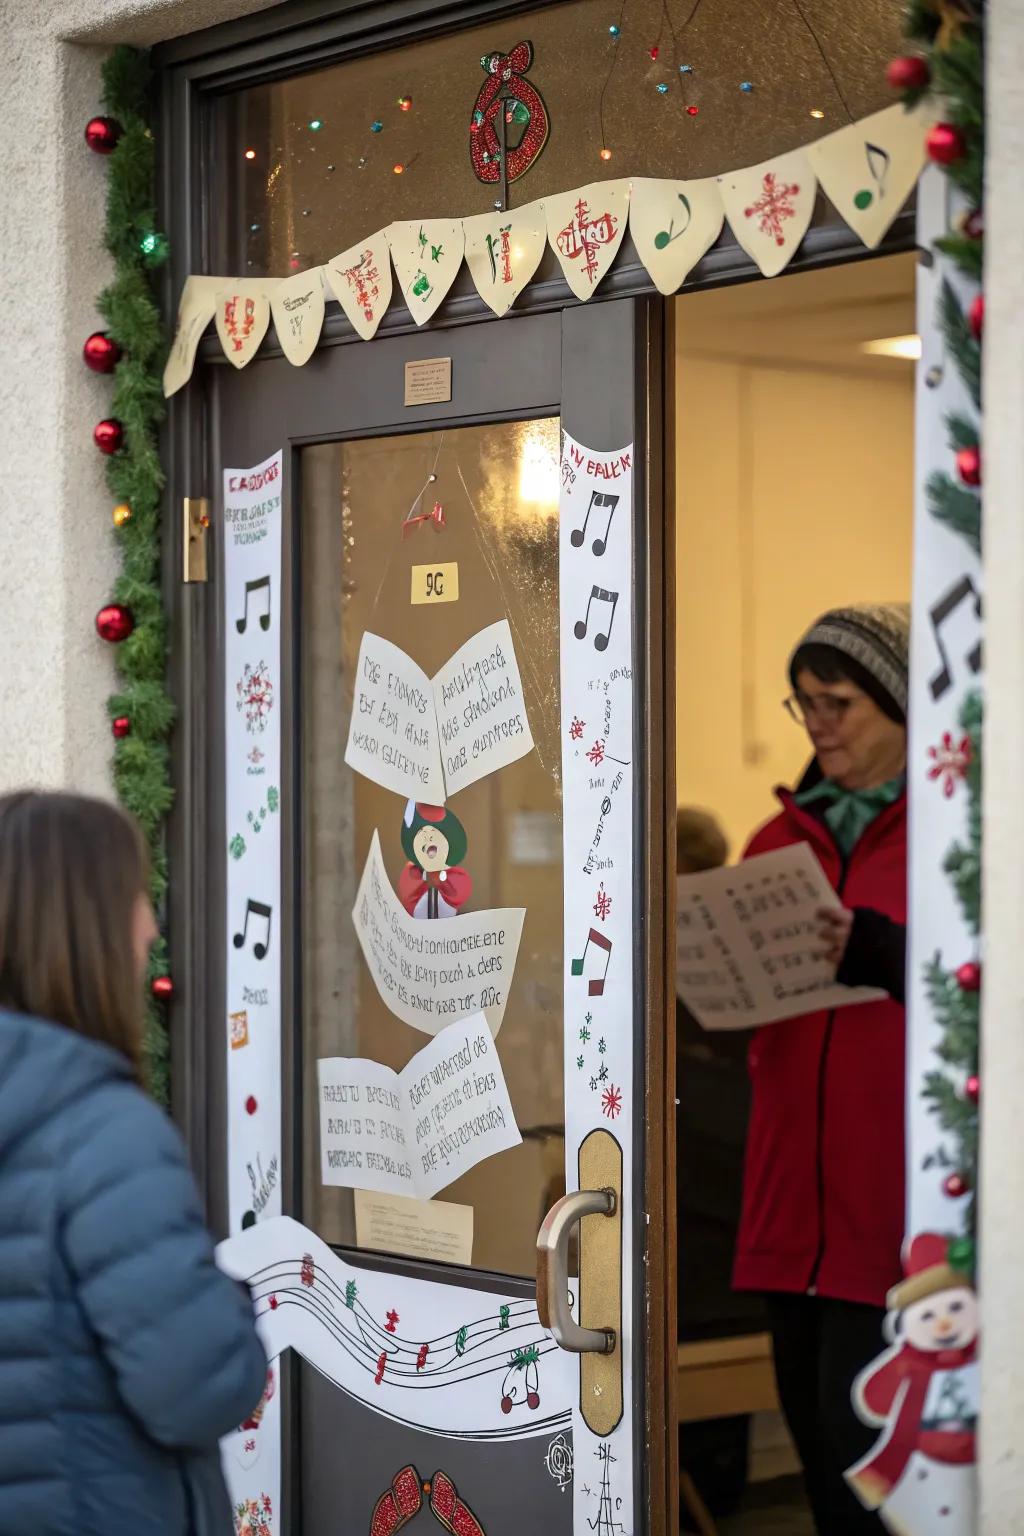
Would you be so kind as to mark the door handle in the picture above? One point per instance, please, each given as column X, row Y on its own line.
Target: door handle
column 553, row 1271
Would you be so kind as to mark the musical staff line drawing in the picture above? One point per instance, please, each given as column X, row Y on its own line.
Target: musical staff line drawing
column 264, row 914
column 595, row 984
column 597, row 595
column 260, row 585
column 600, row 500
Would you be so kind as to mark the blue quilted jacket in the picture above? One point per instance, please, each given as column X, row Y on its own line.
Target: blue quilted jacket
column 124, row 1353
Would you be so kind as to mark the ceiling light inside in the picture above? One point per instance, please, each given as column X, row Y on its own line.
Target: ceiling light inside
column 906, row 347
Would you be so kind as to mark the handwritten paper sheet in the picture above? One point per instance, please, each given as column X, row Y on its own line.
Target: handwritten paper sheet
column 422, row 1229
column 431, row 973
column 746, row 941
column 414, row 1132
column 428, row 738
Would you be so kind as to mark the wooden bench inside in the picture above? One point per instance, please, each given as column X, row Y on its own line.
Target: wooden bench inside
column 719, row 1378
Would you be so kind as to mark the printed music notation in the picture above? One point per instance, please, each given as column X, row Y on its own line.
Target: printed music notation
column 601, row 500
column 263, row 914
column 595, row 984
column 597, row 595
column 253, row 589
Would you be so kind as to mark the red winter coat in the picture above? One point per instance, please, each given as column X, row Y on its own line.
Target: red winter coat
column 823, row 1194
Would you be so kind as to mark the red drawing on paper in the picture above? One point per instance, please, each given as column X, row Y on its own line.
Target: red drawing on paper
column 421, row 1358
column 596, row 753
column 576, row 728
column 602, row 903
column 273, row 1303
column 499, row 253
column 364, row 281
column 238, row 325
column 950, row 762
column 505, row 91
column 611, row 1101
column 382, row 1360
column 392, row 1323
column 255, row 696
column 256, row 1417
column 773, row 207
column 253, row 1517
column 256, row 756
column 584, row 236
column 521, row 1383
column 308, row 1270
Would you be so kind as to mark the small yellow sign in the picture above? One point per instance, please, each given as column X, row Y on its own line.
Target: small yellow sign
column 435, row 583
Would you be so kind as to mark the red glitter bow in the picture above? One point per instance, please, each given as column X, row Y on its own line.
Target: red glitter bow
column 404, row 1499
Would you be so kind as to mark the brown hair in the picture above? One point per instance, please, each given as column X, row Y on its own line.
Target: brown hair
column 700, row 842
column 71, row 872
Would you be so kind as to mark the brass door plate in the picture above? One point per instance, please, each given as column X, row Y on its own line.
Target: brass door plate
column 195, row 520
column 428, row 381
column 600, row 1164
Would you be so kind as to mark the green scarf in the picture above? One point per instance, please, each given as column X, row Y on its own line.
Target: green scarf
column 849, row 812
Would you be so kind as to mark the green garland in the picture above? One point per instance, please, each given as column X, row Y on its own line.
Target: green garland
column 949, row 34
column 128, row 305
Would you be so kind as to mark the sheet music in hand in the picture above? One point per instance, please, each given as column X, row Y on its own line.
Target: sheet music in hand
column 747, row 940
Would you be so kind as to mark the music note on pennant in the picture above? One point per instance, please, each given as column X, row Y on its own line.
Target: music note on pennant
column 597, row 595
column 595, row 984
column 600, row 500
column 260, row 585
column 878, row 162
column 262, row 912
column 665, row 237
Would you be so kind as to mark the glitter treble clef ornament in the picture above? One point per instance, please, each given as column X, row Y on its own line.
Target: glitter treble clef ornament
column 506, row 91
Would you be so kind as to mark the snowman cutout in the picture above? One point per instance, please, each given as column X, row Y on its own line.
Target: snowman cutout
column 924, row 1392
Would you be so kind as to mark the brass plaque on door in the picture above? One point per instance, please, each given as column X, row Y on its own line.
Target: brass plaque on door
column 428, row 381
column 600, row 1161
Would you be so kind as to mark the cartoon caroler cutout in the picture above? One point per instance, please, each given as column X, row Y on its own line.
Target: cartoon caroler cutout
column 433, row 883
column 924, row 1390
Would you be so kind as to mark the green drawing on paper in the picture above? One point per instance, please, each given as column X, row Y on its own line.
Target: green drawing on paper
column 436, row 252
column 460, row 1340
column 236, row 847
column 351, row 1292
column 521, row 1358
column 503, row 1324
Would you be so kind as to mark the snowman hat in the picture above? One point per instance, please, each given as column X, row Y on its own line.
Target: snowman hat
column 926, row 1271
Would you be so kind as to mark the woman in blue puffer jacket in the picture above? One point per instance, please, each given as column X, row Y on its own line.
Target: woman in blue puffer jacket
column 124, row 1353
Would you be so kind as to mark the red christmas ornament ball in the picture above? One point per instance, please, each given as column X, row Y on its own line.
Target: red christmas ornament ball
column 120, row 727
column 100, row 353
column 976, row 316
column 114, row 623
column 968, row 976
column 945, row 143
column 162, row 988
column 102, row 134
column 968, row 463
column 955, row 1186
column 972, row 1088
column 108, row 435
column 907, row 73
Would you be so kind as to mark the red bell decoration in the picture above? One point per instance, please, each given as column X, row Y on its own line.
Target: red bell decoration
column 102, row 134
column 972, row 1088
column 120, row 727
column 968, row 976
column 976, row 316
column 100, row 353
column 968, row 463
column 955, row 1186
column 114, row 623
column 908, row 73
column 108, row 435
column 945, row 143
column 162, row 988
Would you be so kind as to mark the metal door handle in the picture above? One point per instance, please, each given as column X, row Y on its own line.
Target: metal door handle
column 553, row 1271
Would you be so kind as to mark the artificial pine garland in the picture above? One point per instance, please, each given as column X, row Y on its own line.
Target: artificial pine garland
column 950, row 36
column 141, row 711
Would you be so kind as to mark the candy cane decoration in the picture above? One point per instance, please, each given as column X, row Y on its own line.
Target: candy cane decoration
column 505, row 72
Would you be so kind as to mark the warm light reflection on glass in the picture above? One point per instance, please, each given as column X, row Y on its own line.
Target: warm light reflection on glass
column 907, row 347
column 538, row 466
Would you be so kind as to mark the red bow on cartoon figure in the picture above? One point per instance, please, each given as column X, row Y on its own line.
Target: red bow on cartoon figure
column 923, row 1390
column 433, row 884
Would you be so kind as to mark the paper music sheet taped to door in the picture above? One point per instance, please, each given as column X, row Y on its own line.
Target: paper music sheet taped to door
column 747, row 943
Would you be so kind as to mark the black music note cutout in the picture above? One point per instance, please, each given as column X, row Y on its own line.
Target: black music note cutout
column 943, row 679
column 595, row 984
column 598, row 595
column 262, row 911
column 255, row 586
column 599, row 499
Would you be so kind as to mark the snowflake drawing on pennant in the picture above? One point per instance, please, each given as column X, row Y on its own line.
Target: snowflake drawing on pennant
column 611, row 1101
column 596, row 753
column 950, row 762
column 602, row 903
column 773, row 207
column 576, row 728
column 255, row 696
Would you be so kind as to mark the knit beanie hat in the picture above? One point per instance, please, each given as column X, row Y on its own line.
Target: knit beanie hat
column 876, row 636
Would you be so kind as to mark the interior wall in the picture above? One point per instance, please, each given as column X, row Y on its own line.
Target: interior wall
column 794, row 464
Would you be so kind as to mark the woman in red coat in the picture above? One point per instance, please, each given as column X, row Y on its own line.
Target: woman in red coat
column 823, row 1199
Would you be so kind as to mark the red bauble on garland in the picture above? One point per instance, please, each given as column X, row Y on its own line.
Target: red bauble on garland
column 100, row 353
column 968, row 976
column 968, row 463
column 120, row 727
column 972, row 1088
column 908, row 73
column 162, row 988
column 102, row 134
column 945, row 143
column 108, row 435
column 955, row 1186
column 976, row 315
column 114, row 623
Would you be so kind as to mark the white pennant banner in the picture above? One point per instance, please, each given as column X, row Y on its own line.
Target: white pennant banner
column 769, row 207
column 427, row 254
column 243, row 317
column 503, row 251
column 585, row 230
column 674, row 224
column 360, row 279
column 868, row 171
column 297, row 306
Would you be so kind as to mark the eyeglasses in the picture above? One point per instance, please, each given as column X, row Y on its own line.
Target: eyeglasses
column 827, row 708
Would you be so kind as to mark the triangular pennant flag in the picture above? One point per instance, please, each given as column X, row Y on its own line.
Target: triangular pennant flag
column 769, row 207
column 243, row 317
column 585, row 230
column 673, row 224
column 360, row 279
column 869, row 169
column 297, row 305
column 427, row 254
column 196, row 309
column 503, row 251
